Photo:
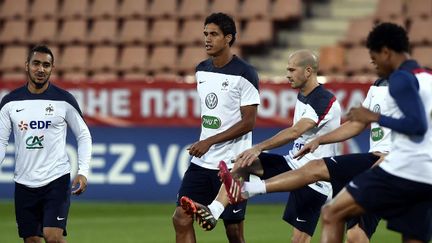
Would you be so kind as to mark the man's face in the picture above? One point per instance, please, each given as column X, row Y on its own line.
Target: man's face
column 215, row 41
column 39, row 68
column 381, row 61
column 296, row 74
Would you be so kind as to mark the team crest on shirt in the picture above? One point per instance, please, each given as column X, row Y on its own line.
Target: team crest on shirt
column 225, row 85
column 377, row 108
column 49, row 110
column 211, row 100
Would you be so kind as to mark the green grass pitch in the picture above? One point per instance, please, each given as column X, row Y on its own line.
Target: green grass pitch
column 91, row 222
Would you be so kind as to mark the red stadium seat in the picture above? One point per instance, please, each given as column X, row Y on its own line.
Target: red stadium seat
column 230, row 7
column 73, row 58
column 103, row 58
column 14, row 9
column 133, row 59
column 193, row 9
column 190, row 58
column 103, row 32
column 252, row 9
column 134, row 31
column 106, row 9
column 13, row 58
column 419, row 8
column 286, row 9
column 419, row 32
column 133, row 9
column 389, row 9
column 14, row 32
column 164, row 31
column 192, row 32
column 163, row 59
column 74, row 9
column 358, row 61
column 44, row 31
column 331, row 59
column 73, row 31
column 44, row 9
column 423, row 55
column 163, row 9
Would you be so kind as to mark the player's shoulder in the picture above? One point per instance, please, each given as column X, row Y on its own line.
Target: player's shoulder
column 245, row 70
column 320, row 99
column 380, row 82
column 60, row 94
column 14, row 95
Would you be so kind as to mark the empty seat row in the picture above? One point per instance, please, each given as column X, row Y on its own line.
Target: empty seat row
column 111, row 58
column 277, row 9
column 127, row 32
column 401, row 8
column 356, row 60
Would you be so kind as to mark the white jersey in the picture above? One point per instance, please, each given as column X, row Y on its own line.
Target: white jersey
column 411, row 156
column 322, row 107
column 379, row 100
column 222, row 92
column 39, row 123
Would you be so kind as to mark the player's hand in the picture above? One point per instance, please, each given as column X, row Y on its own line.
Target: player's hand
column 247, row 157
column 307, row 148
column 81, row 182
column 362, row 115
column 381, row 159
column 199, row 148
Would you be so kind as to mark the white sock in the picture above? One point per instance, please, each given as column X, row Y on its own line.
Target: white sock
column 216, row 208
column 255, row 187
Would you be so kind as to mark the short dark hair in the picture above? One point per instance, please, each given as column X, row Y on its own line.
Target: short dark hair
column 40, row 48
column 225, row 23
column 388, row 35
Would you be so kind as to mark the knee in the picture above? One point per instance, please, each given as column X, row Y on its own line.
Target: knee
column 356, row 235
column 32, row 239
column 181, row 220
column 327, row 214
column 53, row 238
column 300, row 237
column 317, row 170
column 234, row 233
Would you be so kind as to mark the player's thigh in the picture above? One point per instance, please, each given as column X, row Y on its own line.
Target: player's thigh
column 303, row 209
column 28, row 211
column 57, row 203
column 366, row 223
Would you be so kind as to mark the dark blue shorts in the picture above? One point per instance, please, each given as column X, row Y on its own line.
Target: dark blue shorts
column 342, row 170
column 304, row 205
column 202, row 185
column 47, row 206
column 406, row 204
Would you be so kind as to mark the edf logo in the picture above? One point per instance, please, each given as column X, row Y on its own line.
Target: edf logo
column 37, row 124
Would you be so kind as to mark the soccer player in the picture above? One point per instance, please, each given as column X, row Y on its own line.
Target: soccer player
column 228, row 90
column 39, row 114
column 317, row 112
column 339, row 170
column 400, row 188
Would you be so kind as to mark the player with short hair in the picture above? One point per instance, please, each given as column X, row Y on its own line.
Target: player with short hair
column 228, row 90
column 39, row 114
column 317, row 112
column 400, row 188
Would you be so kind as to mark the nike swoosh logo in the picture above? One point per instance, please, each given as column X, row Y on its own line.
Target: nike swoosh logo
column 351, row 184
column 333, row 160
column 201, row 82
column 59, row 219
column 19, row 110
column 300, row 220
column 236, row 210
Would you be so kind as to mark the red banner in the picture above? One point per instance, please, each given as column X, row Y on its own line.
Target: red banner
column 127, row 104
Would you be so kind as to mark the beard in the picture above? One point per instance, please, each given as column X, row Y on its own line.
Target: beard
column 38, row 85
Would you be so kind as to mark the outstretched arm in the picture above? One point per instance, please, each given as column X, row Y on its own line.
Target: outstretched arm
column 283, row 137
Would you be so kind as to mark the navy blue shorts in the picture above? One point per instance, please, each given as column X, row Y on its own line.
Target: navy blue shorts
column 304, row 205
column 406, row 204
column 202, row 185
column 342, row 169
column 46, row 206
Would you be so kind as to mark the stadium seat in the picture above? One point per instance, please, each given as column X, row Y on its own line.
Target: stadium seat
column 73, row 58
column 163, row 9
column 389, row 9
column 423, row 55
column 106, row 9
column 103, row 58
column 419, row 8
column 230, row 7
column 13, row 58
column 282, row 10
column 74, row 9
column 75, row 76
column 14, row 32
column 73, row 31
column 358, row 61
column 105, row 76
column 104, row 31
column 133, row 59
column 331, row 59
column 164, row 31
column 134, row 31
column 136, row 76
column 163, row 59
column 191, row 32
column 400, row 20
column 252, row 9
column 251, row 36
column 193, row 9
column 44, row 31
column 44, row 9
column 358, row 30
column 420, row 31
column 14, row 9
column 14, row 76
column 132, row 9
column 190, row 58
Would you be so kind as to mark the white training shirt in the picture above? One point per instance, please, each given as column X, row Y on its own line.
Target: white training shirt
column 222, row 92
column 411, row 156
column 322, row 107
column 378, row 100
column 39, row 123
